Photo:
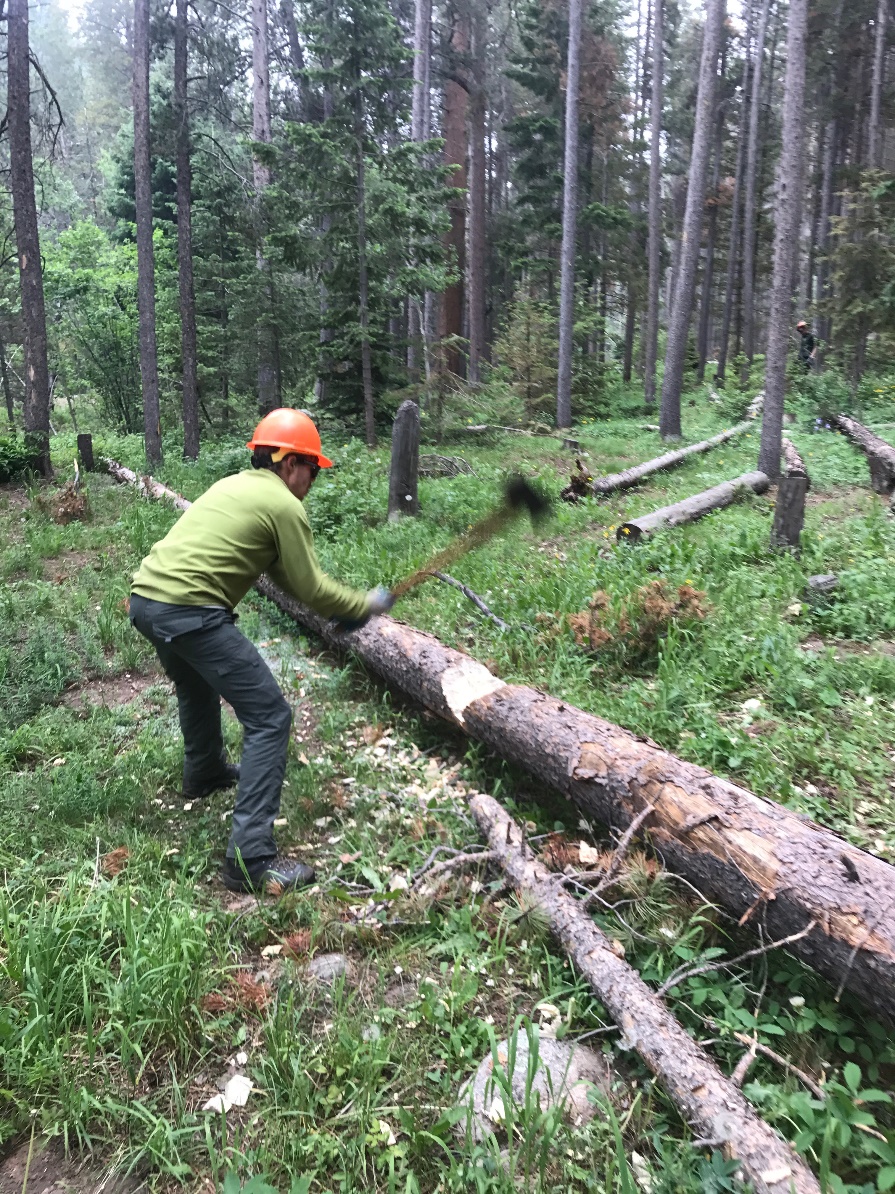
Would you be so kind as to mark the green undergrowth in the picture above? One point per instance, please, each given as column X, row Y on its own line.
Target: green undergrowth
column 130, row 982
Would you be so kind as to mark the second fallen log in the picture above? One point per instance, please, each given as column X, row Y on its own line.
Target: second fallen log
column 631, row 476
column 693, row 507
column 880, row 455
column 708, row 1100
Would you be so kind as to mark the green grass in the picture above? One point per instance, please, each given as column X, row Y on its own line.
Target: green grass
column 108, row 1037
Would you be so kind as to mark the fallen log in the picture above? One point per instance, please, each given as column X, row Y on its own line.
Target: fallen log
column 880, row 455
column 692, row 508
column 707, row 1100
column 630, row 476
column 754, row 858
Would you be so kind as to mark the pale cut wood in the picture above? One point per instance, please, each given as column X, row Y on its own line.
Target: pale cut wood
column 692, row 508
column 631, row 476
column 880, row 455
column 756, row 859
column 707, row 1100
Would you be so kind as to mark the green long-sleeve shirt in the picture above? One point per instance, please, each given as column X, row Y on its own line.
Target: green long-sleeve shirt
column 240, row 527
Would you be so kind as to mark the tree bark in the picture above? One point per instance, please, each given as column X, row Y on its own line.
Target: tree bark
column 786, row 207
column 185, row 237
column 654, row 251
column 85, row 450
column 296, row 54
column 36, row 414
column 265, row 330
column 706, row 1099
column 876, row 88
column 403, row 488
column 632, row 476
column 363, row 291
column 733, row 252
column 880, row 455
column 7, row 391
column 682, row 305
column 757, row 859
column 454, row 133
column 789, row 513
column 708, row 272
column 795, row 465
column 569, row 222
column 418, row 330
column 477, row 199
column 692, row 508
column 831, row 145
column 145, row 253
column 749, row 203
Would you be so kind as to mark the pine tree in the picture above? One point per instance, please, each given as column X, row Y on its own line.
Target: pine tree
column 185, row 237
column 655, row 208
column 569, row 222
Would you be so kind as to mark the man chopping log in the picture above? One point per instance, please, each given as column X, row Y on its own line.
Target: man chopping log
column 183, row 598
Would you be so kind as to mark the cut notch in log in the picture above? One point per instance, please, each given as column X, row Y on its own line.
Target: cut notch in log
column 706, row 1099
column 631, row 476
column 754, row 858
column 880, row 455
column 692, row 508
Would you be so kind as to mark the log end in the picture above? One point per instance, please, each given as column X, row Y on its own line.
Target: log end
column 628, row 532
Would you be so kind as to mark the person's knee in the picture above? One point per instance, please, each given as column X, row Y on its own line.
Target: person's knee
column 284, row 718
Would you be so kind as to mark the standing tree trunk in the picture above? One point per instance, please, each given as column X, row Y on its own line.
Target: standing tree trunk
column 37, row 375
column 733, row 252
column 786, row 207
column 185, row 238
column 419, row 131
column 454, row 133
column 879, row 68
column 265, row 331
column 569, row 223
column 296, row 56
column 655, row 210
column 708, row 273
column 363, row 286
column 7, row 392
column 682, row 305
column 749, row 212
column 477, row 199
column 145, row 256
column 823, row 247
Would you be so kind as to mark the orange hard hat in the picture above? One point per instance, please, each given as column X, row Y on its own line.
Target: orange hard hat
column 292, row 430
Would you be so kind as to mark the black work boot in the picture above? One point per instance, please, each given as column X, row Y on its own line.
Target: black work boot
column 226, row 778
column 272, row 875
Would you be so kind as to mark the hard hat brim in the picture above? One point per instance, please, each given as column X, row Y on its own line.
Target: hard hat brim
column 322, row 460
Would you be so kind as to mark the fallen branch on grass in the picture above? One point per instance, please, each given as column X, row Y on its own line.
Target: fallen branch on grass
column 739, row 1074
column 880, row 455
column 683, row 972
column 748, row 855
column 458, row 862
column 473, row 597
column 631, row 476
column 708, row 1101
column 693, row 507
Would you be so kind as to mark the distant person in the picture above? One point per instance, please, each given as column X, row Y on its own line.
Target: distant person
column 183, row 598
column 808, row 346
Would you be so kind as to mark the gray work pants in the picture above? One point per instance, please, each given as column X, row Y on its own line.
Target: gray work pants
column 208, row 658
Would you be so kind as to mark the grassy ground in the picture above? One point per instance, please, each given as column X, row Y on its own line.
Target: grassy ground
column 130, row 983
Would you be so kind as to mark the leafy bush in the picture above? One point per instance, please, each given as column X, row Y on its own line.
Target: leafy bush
column 15, row 460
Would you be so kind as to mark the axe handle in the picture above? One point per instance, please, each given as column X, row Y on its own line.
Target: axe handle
column 485, row 529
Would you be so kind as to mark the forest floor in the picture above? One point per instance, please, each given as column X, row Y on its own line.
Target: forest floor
column 133, row 986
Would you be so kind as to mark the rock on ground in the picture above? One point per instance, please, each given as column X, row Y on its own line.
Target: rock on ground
column 326, row 968
column 566, row 1074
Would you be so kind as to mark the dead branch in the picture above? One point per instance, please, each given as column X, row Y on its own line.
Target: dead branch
column 757, row 1047
column 458, row 862
column 473, row 597
column 679, row 975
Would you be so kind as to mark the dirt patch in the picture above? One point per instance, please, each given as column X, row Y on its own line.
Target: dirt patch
column 109, row 691
column 51, row 1172
column 846, row 502
column 67, row 565
column 843, row 647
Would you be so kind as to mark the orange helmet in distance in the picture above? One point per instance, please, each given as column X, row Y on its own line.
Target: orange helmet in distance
column 291, row 431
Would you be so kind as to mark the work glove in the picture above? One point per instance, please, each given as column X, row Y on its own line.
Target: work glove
column 379, row 601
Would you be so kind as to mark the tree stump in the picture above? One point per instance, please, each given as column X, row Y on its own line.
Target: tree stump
column 403, row 497
column 85, row 451
column 789, row 512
